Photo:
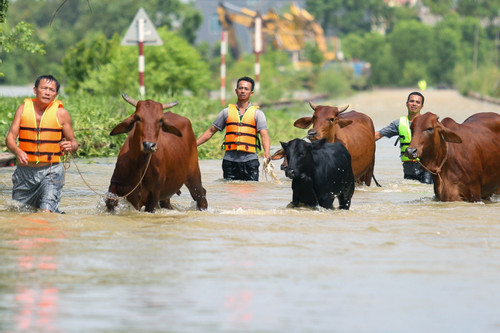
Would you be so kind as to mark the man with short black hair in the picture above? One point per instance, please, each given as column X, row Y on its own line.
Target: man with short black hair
column 45, row 132
column 243, row 122
column 401, row 127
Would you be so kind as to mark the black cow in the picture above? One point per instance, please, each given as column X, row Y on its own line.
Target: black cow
column 320, row 171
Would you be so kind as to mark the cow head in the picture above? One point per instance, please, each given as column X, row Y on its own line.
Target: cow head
column 324, row 121
column 298, row 153
column 148, row 120
column 429, row 137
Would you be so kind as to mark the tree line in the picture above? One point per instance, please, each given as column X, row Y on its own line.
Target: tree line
column 79, row 42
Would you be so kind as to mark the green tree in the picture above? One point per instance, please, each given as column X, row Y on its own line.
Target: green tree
column 440, row 7
column 478, row 8
column 375, row 49
column 475, row 8
column 314, row 54
column 18, row 37
column 61, row 24
column 174, row 67
column 349, row 16
column 446, row 51
column 90, row 53
column 410, row 41
column 4, row 6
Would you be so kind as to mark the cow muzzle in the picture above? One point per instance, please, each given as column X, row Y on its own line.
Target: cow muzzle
column 411, row 153
column 290, row 173
column 312, row 134
column 149, row 147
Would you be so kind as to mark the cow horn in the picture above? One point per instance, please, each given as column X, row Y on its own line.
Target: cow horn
column 313, row 106
column 169, row 105
column 129, row 99
column 343, row 108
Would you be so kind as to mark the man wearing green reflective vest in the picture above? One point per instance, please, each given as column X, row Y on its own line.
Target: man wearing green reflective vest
column 401, row 127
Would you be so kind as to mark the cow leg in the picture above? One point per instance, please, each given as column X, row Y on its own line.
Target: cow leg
column 151, row 203
column 344, row 202
column 303, row 192
column 368, row 175
column 166, row 204
column 134, row 198
column 196, row 189
column 199, row 194
column 111, row 202
column 345, row 197
column 325, row 200
column 118, row 191
column 475, row 193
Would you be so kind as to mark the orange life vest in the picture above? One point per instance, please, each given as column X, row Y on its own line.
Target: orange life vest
column 41, row 143
column 241, row 133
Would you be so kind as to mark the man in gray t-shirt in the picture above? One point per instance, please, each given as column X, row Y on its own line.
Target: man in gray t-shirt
column 411, row 168
column 240, row 160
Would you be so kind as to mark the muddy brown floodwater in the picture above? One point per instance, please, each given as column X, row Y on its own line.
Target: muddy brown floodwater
column 397, row 261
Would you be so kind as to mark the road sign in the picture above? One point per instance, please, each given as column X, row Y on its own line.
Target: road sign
column 150, row 36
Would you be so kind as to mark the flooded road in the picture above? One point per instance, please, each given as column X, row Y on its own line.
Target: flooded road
column 397, row 261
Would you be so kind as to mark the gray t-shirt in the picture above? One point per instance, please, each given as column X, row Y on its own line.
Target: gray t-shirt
column 236, row 155
column 390, row 130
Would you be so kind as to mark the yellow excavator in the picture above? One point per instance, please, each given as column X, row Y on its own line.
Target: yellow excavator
column 289, row 32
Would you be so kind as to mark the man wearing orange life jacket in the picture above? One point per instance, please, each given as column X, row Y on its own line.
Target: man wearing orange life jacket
column 243, row 122
column 45, row 132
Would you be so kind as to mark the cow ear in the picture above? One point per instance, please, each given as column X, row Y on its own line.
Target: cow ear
column 344, row 122
column 284, row 144
column 450, row 136
column 170, row 128
column 124, row 127
column 303, row 123
column 279, row 154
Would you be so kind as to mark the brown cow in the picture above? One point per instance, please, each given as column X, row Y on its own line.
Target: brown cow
column 168, row 140
column 463, row 158
column 353, row 129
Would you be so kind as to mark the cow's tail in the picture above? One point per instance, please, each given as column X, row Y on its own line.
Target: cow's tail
column 376, row 182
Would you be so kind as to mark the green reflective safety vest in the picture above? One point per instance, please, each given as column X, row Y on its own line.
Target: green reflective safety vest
column 404, row 137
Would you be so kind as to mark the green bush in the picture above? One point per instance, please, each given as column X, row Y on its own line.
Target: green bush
column 335, row 82
column 173, row 68
column 484, row 81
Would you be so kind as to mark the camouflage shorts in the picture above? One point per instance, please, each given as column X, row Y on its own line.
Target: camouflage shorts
column 39, row 187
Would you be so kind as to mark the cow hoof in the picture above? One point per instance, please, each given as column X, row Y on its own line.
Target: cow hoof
column 111, row 202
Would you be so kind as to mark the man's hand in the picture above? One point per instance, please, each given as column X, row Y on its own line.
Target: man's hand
column 66, row 146
column 22, row 158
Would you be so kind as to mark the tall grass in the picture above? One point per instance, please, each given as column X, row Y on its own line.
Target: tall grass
column 95, row 117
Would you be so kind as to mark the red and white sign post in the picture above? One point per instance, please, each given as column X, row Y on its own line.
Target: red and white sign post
column 223, row 52
column 142, row 63
column 141, row 32
column 257, row 50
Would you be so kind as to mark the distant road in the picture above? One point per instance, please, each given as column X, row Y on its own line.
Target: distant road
column 16, row 91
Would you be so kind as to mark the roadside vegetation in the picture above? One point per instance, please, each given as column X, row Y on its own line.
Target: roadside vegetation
column 95, row 116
